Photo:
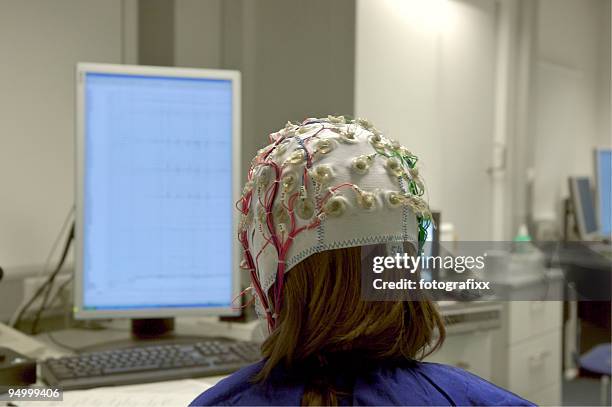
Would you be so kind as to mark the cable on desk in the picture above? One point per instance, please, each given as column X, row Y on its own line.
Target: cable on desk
column 60, row 344
column 60, row 289
column 51, row 279
column 16, row 318
column 47, row 285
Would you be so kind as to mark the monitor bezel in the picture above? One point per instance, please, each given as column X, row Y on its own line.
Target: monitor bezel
column 578, row 210
column 85, row 68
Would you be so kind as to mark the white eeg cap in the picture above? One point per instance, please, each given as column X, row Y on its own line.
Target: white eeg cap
column 325, row 184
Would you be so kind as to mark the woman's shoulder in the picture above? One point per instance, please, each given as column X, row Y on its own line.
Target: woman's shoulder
column 451, row 385
column 417, row 383
column 240, row 389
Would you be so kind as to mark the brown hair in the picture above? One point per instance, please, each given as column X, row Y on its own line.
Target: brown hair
column 324, row 323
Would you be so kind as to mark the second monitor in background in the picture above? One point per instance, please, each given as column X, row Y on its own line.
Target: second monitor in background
column 603, row 183
column 583, row 207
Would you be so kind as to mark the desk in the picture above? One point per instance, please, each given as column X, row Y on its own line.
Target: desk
column 463, row 318
column 41, row 347
column 587, row 266
column 475, row 329
column 118, row 330
column 588, row 273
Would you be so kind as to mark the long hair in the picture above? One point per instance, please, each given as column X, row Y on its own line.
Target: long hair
column 324, row 325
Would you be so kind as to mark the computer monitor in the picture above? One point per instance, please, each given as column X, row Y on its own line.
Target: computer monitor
column 584, row 207
column 158, row 153
column 432, row 247
column 603, row 183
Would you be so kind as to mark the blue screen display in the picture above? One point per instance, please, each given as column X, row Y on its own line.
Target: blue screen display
column 604, row 190
column 157, row 205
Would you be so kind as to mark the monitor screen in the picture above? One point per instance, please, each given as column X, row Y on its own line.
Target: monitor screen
column 428, row 247
column 586, row 204
column 604, row 190
column 157, row 204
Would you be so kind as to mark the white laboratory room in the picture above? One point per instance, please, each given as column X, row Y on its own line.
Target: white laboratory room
column 305, row 203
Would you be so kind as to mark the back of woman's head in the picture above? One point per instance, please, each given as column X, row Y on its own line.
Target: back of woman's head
column 326, row 329
column 318, row 192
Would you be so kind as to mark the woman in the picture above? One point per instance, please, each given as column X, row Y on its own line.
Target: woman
column 319, row 200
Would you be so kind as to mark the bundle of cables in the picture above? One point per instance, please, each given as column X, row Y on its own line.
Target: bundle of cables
column 46, row 288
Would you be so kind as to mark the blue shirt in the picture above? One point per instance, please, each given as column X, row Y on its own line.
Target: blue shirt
column 416, row 383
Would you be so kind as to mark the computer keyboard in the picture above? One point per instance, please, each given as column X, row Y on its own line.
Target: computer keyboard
column 149, row 363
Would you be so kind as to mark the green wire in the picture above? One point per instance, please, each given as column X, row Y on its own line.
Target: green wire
column 423, row 226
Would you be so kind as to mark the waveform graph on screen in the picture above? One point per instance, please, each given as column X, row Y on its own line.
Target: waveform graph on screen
column 158, row 192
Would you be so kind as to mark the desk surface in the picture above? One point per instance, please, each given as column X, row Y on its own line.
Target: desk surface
column 42, row 346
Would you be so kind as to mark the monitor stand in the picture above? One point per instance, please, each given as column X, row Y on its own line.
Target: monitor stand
column 152, row 328
column 146, row 331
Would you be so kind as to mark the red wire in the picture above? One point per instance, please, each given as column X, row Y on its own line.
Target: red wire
column 281, row 247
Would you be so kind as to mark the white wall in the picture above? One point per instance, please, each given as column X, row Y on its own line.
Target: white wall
column 572, row 95
column 40, row 42
column 425, row 75
column 185, row 33
column 296, row 59
column 605, row 72
column 197, row 33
